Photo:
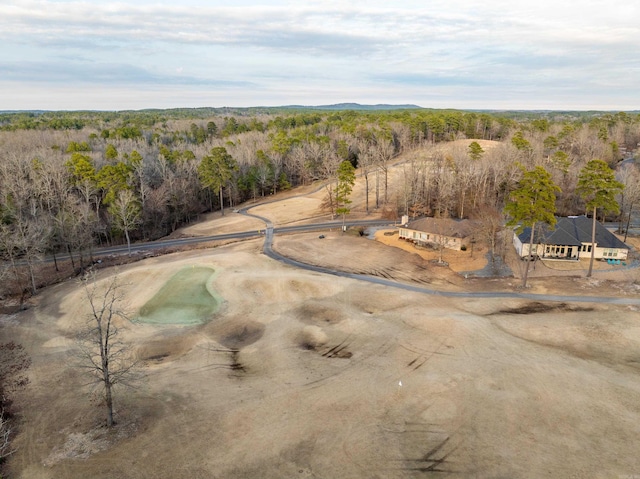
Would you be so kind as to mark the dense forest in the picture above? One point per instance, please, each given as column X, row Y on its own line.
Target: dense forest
column 73, row 180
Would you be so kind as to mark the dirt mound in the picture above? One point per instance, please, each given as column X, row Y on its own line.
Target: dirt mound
column 314, row 313
column 584, row 334
column 239, row 335
column 282, row 288
column 166, row 349
column 312, row 338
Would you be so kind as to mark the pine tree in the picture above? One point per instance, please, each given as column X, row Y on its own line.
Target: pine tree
column 532, row 202
column 216, row 170
column 346, row 180
column 598, row 187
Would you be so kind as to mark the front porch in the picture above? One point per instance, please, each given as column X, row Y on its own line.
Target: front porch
column 560, row 253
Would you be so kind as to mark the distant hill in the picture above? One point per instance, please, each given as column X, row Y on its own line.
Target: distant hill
column 13, row 112
column 242, row 111
column 207, row 111
column 353, row 106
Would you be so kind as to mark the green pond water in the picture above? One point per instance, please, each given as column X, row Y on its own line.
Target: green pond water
column 184, row 299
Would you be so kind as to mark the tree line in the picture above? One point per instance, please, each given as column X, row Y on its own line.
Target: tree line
column 70, row 181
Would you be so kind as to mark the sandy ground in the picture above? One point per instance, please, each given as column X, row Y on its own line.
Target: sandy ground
column 337, row 378
column 215, row 224
column 457, row 261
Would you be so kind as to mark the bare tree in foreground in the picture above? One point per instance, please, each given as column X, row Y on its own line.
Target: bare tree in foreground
column 102, row 352
column 14, row 361
column 6, row 433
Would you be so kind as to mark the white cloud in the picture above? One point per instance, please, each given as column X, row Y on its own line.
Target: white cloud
column 573, row 53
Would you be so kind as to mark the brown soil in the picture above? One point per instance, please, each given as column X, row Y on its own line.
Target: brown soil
column 303, row 374
column 457, row 261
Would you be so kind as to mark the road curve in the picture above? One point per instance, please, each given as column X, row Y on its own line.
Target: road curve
column 169, row 243
column 268, row 251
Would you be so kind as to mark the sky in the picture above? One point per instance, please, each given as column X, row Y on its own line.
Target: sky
column 494, row 54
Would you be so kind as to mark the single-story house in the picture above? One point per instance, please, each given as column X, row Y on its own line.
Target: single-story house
column 449, row 233
column 570, row 239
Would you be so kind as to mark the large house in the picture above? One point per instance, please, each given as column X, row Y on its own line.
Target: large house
column 445, row 232
column 570, row 239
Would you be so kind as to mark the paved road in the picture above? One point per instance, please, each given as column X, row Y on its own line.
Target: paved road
column 270, row 232
column 268, row 251
column 451, row 294
column 153, row 245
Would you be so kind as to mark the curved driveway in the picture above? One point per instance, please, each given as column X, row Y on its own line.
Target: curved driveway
column 268, row 250
column 270, row 232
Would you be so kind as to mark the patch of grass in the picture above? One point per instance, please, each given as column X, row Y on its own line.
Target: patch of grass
column 184, row 299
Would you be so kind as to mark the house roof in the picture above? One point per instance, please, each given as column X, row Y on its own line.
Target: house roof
column 572, row 231
column 443, row 226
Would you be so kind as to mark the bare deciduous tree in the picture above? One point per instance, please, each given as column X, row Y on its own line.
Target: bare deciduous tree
column 14, row 361
column 330, row 174
column 25, row 240
column 385, row 150
column 102, row 353
column 489, row 221
column 6, row 432
column 126, row 213
column 366, row 161
column 629, row 176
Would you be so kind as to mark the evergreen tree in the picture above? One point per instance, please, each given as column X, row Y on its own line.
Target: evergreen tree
column 532, row 202
column 598, row 187
column 475, row 151
column 346, row 180
column 216, row 170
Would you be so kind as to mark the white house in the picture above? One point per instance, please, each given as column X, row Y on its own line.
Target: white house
column 570, row 239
